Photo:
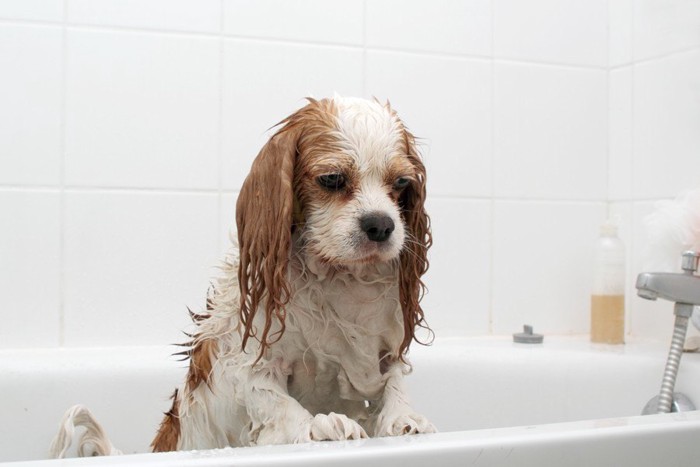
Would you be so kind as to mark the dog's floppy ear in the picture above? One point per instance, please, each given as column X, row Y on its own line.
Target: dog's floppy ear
column 414, row 256
column 264, row 213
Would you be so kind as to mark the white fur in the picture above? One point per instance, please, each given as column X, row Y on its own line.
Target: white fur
column 337, row 324
column 323, row 379
column 371, row 137
column 93, row 442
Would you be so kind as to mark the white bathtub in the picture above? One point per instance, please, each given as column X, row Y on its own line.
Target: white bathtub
column 562, row 403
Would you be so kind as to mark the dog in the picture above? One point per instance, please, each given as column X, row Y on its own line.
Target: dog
column 306, row 332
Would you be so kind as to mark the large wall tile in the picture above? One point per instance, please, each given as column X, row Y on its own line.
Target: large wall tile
column 134, row 262
column 181, row 15
column 552, row 31
column 142, row 110
column 35, row 10
column 459, row 279
column 620, row 133
column 327, row 21
column 30, row 104
column 448, row 26
column 542, row 265
column 265, row 82
column 666, row 122
column 620, row 32
column 446, row 102
column 29, row 268
column 550, row 132
column 665, row 26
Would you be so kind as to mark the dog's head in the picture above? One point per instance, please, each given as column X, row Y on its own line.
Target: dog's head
column 345, row 174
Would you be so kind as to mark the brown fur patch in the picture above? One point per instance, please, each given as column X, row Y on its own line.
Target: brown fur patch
column 169, row 432
column 200, row 352
column 201, row 355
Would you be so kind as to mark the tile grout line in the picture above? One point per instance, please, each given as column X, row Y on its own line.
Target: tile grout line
column 156, row 190
column 608, row 111
column 62, row 185
column 492, row 226
column 364, row 49
column 220, row 131
column 630, row 322
column 285, row 41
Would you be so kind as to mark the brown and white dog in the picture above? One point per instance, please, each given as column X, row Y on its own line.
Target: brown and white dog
column 306, row 333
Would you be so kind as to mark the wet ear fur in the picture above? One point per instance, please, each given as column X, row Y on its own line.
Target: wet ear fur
column 264, row 213
column 414, row 256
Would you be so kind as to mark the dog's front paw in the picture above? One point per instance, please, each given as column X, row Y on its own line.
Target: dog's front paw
column 398, row 424
column 332, row 427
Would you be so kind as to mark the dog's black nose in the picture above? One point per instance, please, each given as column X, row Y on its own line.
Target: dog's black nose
column 378, row 227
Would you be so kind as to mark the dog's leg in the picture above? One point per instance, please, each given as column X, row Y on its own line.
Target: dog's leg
column 278, row 418
column 394, row 414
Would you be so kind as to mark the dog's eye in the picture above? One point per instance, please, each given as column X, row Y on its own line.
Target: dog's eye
column 401, row 183
column 333, row 182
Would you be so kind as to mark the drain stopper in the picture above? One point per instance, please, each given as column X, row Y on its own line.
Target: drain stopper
column 527, row 336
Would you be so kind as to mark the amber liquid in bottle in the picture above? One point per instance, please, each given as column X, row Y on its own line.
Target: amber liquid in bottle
column 608, row 319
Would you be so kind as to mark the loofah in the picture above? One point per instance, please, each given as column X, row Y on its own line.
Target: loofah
column 672, row 228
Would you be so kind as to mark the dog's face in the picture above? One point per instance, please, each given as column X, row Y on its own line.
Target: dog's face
column 348, row 185
column 345, row 174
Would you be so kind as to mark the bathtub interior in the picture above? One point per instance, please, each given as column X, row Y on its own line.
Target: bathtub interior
column 460, row 384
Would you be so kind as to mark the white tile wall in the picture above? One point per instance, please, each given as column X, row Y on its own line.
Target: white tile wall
column 666, row 121
column 145, row 114
column 30, row 105
column 443, row 26
column 446, row 102
column 36, row 10
column 326, row 21
column 620, row 32
column 550, row 137
column 30, row 268
column 126, row 128
column 134, row 262
column 620, row 133
column 542, row 265
column 458, row 301
column 665, row 26
column 572, row 32
column 180, row 15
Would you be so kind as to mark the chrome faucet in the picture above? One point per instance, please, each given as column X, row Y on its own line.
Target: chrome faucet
column 676, row 287
column 684, row 290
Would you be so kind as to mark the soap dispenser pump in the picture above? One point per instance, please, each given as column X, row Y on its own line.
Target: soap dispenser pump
column 608, row 291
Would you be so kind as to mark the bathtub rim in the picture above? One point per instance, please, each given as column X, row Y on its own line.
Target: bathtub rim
column 466, row 446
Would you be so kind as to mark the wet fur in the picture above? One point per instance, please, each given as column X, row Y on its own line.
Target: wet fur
column 306, row 330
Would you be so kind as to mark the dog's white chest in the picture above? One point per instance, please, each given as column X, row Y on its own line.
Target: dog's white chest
column 339, row 327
